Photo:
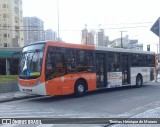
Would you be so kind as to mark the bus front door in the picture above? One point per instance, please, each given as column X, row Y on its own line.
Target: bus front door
column 100, row 70
column 125, row 69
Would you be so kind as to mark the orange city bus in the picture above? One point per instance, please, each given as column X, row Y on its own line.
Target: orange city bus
column 58, row 68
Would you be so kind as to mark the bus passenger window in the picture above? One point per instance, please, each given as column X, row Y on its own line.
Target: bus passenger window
column 150, row 60
column 144, row 60
column 55, row 66
column 84, row 61
column 135, row 60
column 113, row 62
column 70, row 59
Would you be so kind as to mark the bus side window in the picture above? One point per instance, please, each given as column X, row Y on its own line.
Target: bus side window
column 150, row 60
column 140, row 60
column 144, row 60
column 70, row 59
column 113, row 62
column 135, row 60
column 84, row 61
column 55, row 66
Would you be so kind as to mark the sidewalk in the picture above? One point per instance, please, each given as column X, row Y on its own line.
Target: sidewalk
column 11, row 96
column 158, row 78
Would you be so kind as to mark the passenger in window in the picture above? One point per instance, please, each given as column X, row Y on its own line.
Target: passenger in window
column 116, row 66
column 69, row 67
column 49, row 71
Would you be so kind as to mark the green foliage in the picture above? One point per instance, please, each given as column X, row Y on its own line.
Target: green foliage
column 8, row 78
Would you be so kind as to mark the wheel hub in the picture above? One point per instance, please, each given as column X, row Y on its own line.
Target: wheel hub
column 81, row 88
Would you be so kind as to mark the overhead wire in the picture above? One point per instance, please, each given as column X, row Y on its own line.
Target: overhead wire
column 125, row 26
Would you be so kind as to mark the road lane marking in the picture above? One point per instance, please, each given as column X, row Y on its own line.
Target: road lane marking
column 46, row 125
column 8, row 125
column 134, row 98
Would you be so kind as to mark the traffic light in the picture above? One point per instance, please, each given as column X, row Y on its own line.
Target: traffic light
column 148, row 47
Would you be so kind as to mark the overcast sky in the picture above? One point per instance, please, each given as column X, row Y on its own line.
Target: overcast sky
column 133, row 16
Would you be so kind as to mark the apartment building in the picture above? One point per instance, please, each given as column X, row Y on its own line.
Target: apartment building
column 34, row 30
column 100, row 38
column 84, row 34
column 11, row 23
column 50, row 34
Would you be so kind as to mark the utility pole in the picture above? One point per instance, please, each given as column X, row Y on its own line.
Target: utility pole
column 157, row 64
column 159, row 42
column 122, row 38
column 58, row 20
column 86, row 34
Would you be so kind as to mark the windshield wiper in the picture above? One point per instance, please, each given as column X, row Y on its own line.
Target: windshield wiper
column 25, row 62
column 33, row 56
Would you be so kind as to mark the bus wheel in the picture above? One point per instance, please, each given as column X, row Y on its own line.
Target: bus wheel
column 80, row 88
column 139, row 81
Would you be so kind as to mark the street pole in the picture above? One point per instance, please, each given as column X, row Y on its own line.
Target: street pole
column 157, row 64
column 159, row 42
column 58, row 19
column 86, row 34
column 157, row 51
column 122, row 38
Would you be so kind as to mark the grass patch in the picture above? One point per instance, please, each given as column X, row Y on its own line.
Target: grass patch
column 8, row 78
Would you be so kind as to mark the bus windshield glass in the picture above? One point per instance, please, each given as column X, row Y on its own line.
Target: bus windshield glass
column 31, row 62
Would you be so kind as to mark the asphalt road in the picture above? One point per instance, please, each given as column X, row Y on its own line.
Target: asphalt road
column 121, row 102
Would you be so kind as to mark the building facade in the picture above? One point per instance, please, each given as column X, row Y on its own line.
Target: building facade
column 87, row 38
column 100, row 38
column 126, row 43
column 90, row 38
column 11, row 23
column 50, row 35
column 9, row 60
column 34, row 30
column 84, row 36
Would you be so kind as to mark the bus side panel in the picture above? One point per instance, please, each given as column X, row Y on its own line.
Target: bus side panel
column 61, row 85
column 144, row 71
column 53, row 87
column 91, row 80
column 65, row 84
column 69, row 82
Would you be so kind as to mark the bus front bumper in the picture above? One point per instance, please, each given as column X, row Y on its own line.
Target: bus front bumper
column 34, row 90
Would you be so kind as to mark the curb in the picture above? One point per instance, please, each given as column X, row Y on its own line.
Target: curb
column 18, row 98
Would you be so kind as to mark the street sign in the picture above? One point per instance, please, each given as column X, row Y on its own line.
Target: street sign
column 148, row 47
column 156, row 27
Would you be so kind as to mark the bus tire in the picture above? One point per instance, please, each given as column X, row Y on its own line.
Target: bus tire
column 139, row 81
column 80, row 88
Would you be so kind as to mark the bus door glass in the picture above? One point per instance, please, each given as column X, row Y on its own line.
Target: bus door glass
column 125, row 69
column 100, row 69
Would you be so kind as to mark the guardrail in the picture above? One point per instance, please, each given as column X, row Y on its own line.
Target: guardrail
column 9, row 91
column 6, row 87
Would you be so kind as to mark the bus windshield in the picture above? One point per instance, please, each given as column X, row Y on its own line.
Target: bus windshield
column 31, row 64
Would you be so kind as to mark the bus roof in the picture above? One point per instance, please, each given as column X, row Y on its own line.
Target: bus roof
column 101, row 48
column 90, row 47
column 38, row 42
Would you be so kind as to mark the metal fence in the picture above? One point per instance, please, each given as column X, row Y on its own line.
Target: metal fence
column 6, row 87
column 10, row 91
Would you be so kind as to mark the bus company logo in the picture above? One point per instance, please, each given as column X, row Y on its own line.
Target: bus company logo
column 6, row 121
